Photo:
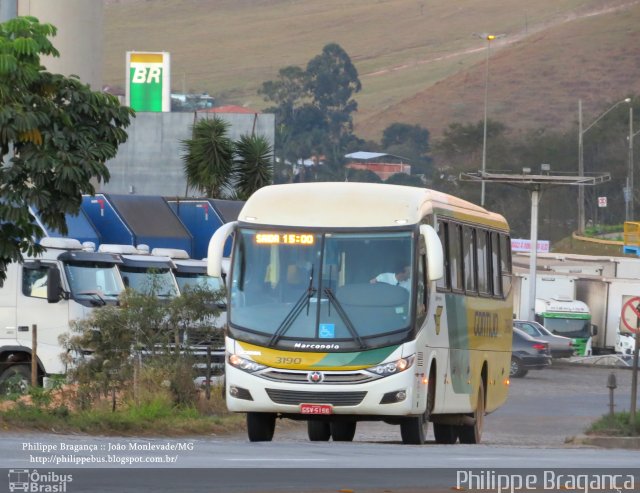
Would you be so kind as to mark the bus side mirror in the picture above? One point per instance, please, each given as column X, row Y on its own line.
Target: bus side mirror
column 54, row 285
column 594, row 330
column 215, row 252
column 435, row 254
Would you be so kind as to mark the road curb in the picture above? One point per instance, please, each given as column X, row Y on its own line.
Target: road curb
column 605, row 441
column 570, row 364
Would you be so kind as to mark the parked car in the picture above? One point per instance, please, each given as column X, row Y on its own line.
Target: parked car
column 561, row 347
column 528, row 353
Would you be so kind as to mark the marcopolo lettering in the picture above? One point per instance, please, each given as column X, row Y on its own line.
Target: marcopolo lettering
column 302, row 345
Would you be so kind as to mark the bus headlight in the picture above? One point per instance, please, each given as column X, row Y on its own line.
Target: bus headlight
column 386, row 369
column 245, row 364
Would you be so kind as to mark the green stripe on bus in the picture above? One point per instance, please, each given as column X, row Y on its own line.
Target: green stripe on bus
column 363, row 358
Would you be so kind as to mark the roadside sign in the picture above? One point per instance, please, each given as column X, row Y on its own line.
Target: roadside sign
column 148, row 81
column 602, row 201
column 630, row 316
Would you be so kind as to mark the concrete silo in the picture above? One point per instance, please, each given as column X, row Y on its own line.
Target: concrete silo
column 79, row 39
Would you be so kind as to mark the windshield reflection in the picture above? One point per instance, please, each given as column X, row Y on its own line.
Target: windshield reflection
column 91, row 280
column 568, row 327
column 159, row 282
column 332, row 287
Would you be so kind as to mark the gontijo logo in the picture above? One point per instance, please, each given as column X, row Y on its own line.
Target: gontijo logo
column 148, row 81
column 33, row 481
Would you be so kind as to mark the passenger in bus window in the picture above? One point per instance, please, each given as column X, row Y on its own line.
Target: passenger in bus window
column 400, row 277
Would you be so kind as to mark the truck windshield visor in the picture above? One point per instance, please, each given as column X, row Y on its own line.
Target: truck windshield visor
column 322, row 287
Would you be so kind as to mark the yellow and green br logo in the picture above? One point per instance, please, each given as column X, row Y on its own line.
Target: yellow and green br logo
column 146, row 82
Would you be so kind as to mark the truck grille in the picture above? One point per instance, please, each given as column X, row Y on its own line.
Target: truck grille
column 295, row 397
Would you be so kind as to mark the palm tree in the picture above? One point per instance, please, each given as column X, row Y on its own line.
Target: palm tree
column 208, row 158
column 253, row 165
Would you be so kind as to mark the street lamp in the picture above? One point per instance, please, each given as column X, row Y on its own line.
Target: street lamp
column 581, row 132
column 488, row 38
column 628, row 190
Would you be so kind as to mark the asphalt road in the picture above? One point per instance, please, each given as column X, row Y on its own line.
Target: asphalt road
column 528, row 432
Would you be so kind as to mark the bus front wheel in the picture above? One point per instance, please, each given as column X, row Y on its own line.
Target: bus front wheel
column 318, row 431
column 413, row 429
column 343, row 431
column 260, row 426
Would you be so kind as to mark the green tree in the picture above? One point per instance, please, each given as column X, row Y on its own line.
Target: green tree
column 208, row 158
column 332, row 80
column 55, row 137
column 253, row 167
column 409, row 141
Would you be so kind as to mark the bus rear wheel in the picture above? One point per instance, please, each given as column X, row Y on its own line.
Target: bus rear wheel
column 318, row 431
column 445, row 434
column 260, row 426
column 473, row 433
column 343, row 431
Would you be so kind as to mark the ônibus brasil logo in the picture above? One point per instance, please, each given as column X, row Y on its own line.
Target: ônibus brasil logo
column 33, row 481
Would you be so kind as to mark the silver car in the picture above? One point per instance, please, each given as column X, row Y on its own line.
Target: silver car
column 561, row 347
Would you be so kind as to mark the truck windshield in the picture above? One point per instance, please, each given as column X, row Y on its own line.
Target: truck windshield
column 93, row 280
column 293, row 286
column 157, row 281
column 568, row 327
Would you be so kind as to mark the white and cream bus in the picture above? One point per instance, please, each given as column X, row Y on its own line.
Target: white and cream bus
column 352, row 301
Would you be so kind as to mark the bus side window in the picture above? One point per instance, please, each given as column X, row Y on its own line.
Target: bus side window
column 505, row 262
column 455, row 257
column 483, row 267
column 469, row 255
column 495, row 265
column 421, row 298
column 444, row 283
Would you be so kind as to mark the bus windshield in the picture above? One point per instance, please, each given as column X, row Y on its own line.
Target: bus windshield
column 568, row 327
column 342, row 290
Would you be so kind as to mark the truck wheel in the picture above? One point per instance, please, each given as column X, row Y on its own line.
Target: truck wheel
column 445, row 434
column 15, row 380
column 473, row 433
column 517, row 370
column 260, row 426
column 343, row 431
column 318, row 431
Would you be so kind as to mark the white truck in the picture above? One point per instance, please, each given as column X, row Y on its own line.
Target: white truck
column 607, row 296
column 50, row 291
column 556, row 306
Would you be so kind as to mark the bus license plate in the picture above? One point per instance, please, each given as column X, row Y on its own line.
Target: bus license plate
column 316, row 409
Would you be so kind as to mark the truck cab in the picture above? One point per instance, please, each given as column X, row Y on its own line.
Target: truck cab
column 49, row 292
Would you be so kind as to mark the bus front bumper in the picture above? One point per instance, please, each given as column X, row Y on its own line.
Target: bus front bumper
column 395, row 395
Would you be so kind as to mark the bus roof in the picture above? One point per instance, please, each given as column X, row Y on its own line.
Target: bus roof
column 346, row 204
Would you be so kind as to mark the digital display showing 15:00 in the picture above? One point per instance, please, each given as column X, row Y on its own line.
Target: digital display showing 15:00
column 285, row 239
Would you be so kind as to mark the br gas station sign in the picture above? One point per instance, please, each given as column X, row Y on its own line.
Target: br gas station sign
column 148, row 81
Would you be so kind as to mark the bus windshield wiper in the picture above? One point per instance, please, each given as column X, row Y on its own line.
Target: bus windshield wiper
column 345, row 318
column 294, row 312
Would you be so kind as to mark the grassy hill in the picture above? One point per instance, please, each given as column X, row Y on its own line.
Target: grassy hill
column 417, row 59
